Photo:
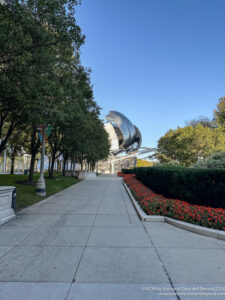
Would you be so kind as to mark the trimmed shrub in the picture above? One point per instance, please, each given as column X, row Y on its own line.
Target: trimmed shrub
column 169, row 165
column 196, row 186
column 128, row 171
column 155, row 204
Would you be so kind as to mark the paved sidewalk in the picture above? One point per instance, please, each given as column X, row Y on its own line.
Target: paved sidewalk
column 87, row 243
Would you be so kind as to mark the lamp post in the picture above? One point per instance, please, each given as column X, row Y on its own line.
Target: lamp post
column 41, row 187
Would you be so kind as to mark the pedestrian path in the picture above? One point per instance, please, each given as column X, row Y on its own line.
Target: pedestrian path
column 87, row 243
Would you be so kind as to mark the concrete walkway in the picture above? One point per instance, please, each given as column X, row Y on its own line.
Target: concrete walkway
column 87, row 243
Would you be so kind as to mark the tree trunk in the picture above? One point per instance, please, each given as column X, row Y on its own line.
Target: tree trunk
column 74, row 164
column 36, row 165
column 4, row 141
column 52, row 166
column 32, row 163
column 12, row 165
column 49, row 165
column 34, row 147
column 65, row 158
column 64, row 167
column 58, row 166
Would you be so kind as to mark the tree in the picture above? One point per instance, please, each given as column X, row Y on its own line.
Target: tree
column 43, row 82
column 220, row 112
column 189, row 144
column 21, row 75
column 204, row 121
column 77, row 133
column 144, row 163
column 97, row 146
column 26, row 18
column 39, row 38
column 216, row 160
column 15, row 146
column 73, row 110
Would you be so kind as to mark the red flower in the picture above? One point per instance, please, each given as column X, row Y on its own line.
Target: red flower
column 153, row 203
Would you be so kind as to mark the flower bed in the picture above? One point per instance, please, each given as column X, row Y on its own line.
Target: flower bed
column 155, row 204
column 120, row 174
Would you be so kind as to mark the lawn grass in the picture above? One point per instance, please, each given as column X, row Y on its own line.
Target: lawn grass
column 26, row 195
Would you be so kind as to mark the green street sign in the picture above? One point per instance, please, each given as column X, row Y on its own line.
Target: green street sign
column 48, row 130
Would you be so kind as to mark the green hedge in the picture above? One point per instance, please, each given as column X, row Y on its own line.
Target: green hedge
column 128, row 171
column 196, row 186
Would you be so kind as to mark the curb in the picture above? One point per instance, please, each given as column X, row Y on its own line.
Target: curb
column 214, row 233
column 142, row 215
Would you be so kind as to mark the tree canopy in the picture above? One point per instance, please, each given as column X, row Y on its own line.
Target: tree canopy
column 219, row 113
column 42, row 80
column 214, row 161
column 189, row 144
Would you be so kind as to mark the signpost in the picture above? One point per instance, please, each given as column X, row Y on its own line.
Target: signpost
column 43, row 134
column 41, row 187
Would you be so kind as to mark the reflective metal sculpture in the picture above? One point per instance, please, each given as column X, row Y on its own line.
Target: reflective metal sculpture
column 124, row 136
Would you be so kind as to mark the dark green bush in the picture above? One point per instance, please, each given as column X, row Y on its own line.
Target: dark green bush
column 128, row 171
column 196, row 186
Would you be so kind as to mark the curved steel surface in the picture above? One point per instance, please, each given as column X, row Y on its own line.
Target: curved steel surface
column 125, row 126
column 136, row 143
column 138, row 136
column 129, row 135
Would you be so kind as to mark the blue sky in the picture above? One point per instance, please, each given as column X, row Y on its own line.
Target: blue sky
column 159, row 62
